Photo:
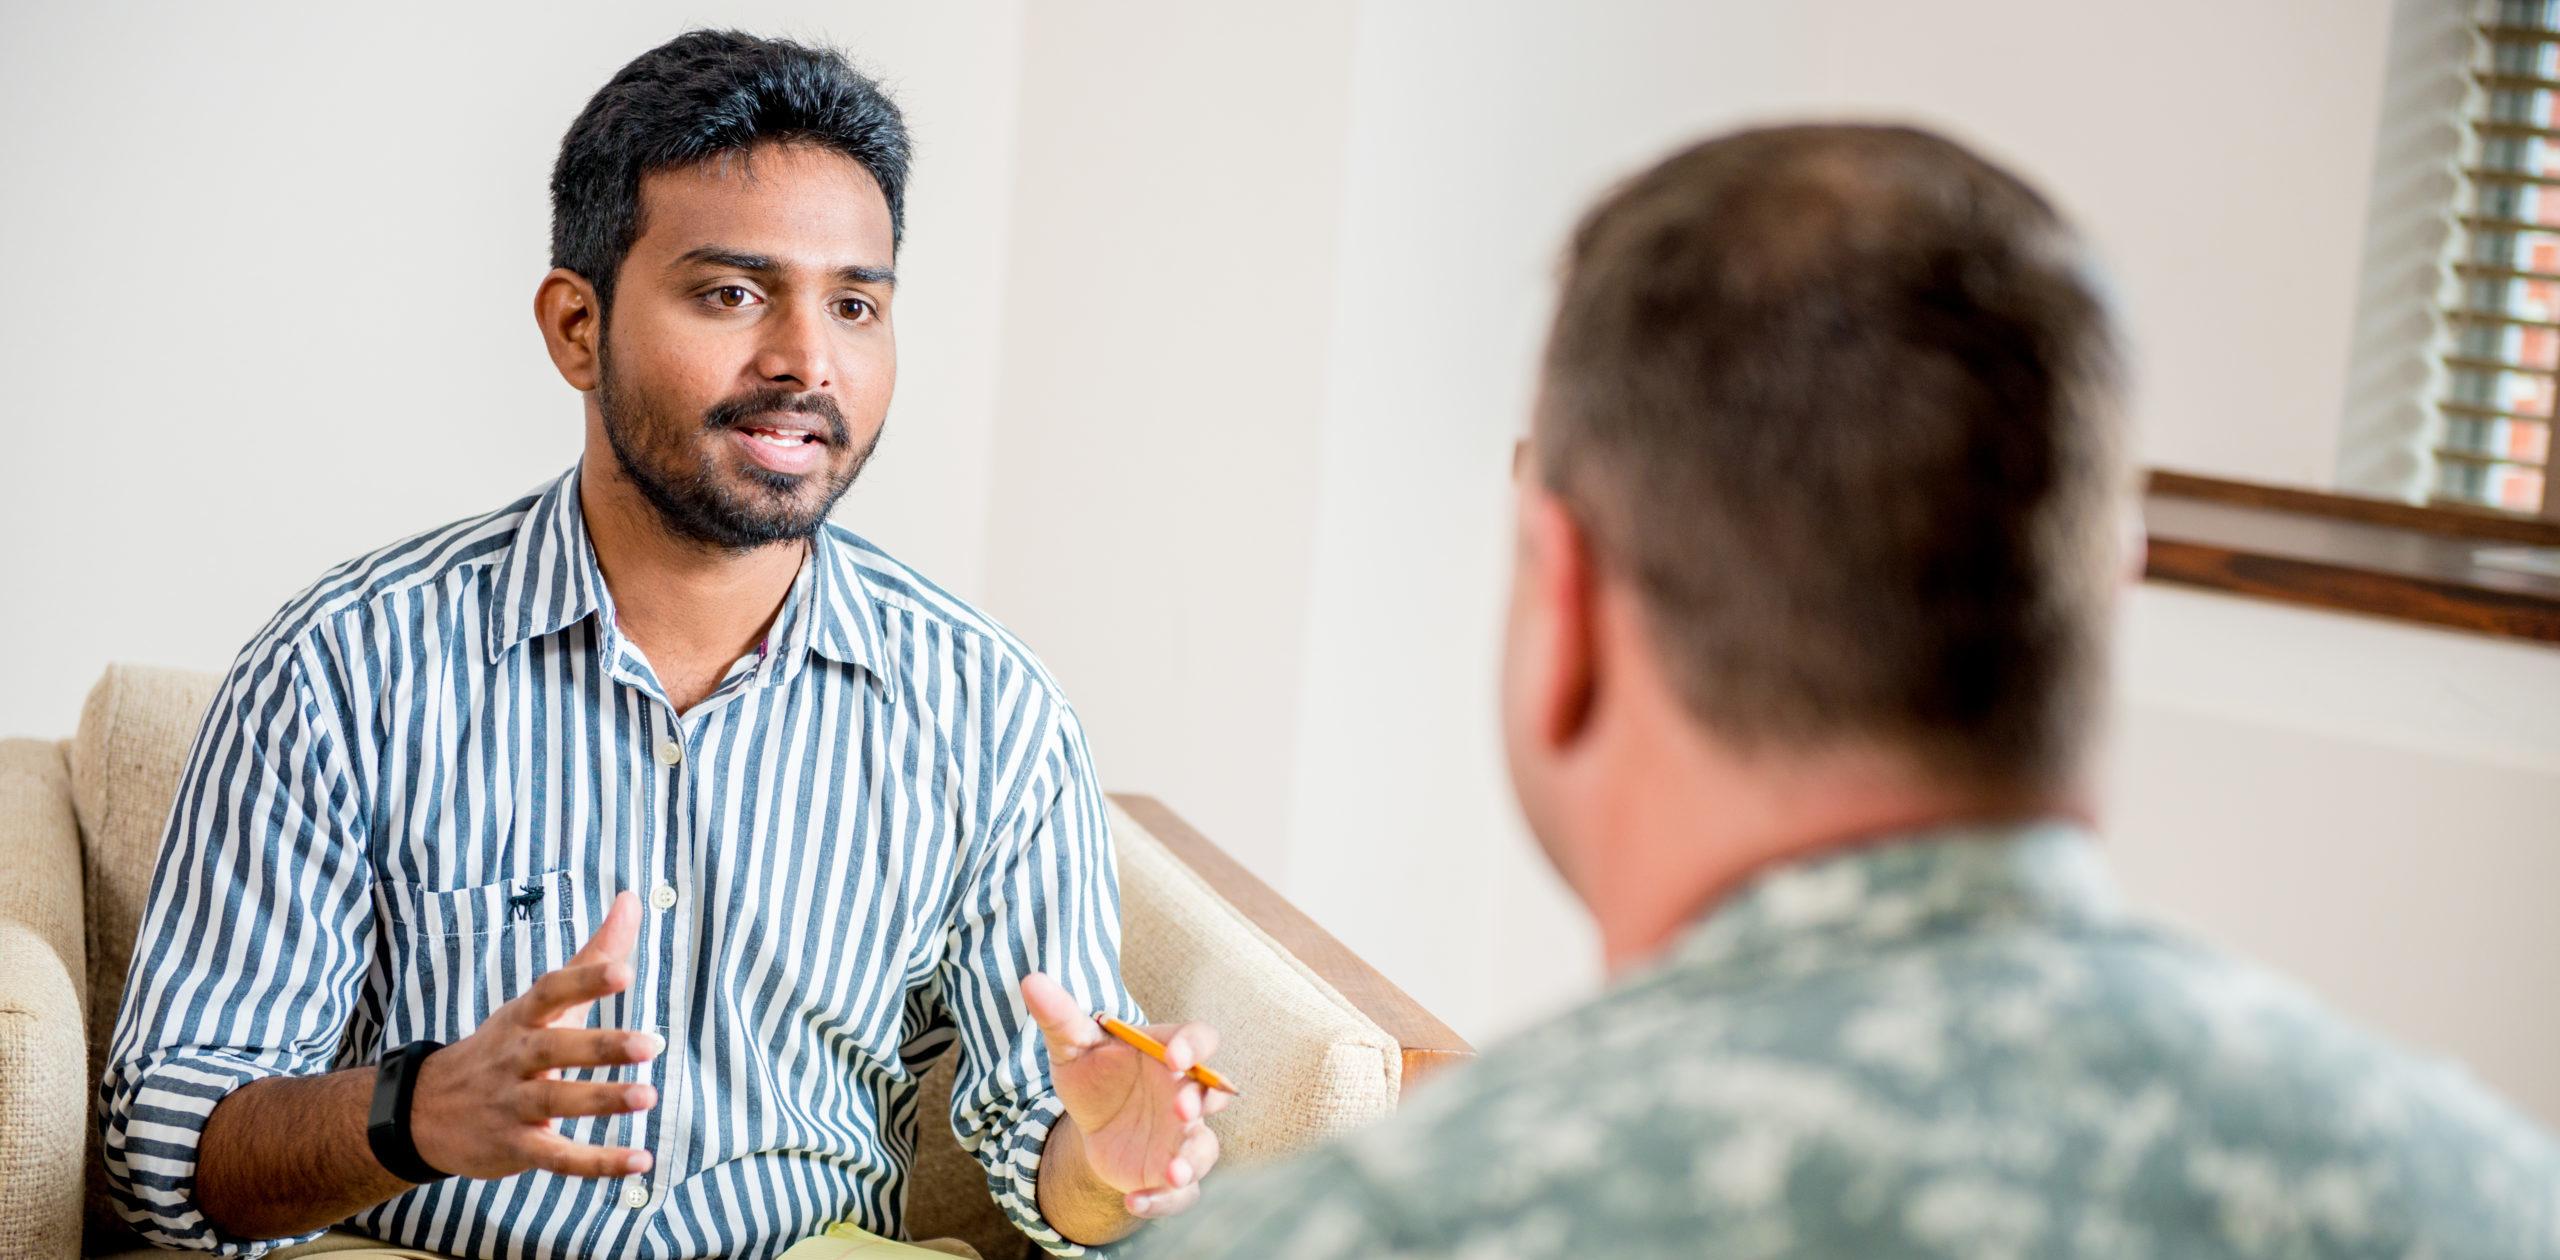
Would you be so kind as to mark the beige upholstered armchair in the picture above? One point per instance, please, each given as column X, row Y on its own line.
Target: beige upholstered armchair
column 1326, row 1042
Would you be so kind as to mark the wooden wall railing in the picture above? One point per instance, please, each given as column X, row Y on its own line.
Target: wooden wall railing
column 2356, row 555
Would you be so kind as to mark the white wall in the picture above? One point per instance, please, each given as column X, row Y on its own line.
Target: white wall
column 1163, row 368
column 273, row 272
column 2364, row 804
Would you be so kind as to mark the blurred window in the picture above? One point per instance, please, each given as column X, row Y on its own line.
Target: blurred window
column 2501, row 345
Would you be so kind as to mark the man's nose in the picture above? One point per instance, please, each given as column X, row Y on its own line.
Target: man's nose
column 797, row 350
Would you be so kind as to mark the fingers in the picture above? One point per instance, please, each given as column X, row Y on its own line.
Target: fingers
column 577, row 1159
column 620, row 931
column 550, row 1049
column 1150, row 1204
column 1186, row 1044
column 611, row 945
column 1184, row 1166
column 1064, row 1023
column 572, row 986
column 548, row 1100
column 1199, row 1154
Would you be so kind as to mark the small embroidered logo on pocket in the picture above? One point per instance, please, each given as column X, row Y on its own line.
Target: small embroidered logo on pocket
column 520, row 905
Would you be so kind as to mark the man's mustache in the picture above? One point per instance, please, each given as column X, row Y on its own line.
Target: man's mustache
column 737, row 412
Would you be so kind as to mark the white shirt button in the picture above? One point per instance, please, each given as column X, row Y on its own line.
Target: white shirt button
column 664, row 898
column 636, row 1197
column 669, row 752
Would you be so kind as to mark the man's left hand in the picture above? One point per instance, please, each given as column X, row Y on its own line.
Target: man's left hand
column 1142, row 1124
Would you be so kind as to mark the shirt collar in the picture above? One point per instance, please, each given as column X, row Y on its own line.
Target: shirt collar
column 830, row 612
column 549, row 581
column 1901, row 887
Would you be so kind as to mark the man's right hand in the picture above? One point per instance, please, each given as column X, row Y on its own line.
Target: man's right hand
column 488, row 1105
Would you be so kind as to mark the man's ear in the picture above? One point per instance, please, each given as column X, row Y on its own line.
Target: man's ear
column 1561, row 577
column 572, row 323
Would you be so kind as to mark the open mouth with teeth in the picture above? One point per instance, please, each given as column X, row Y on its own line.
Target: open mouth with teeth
column 787, row 449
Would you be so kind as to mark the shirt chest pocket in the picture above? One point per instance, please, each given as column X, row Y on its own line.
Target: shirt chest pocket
column 457, row 954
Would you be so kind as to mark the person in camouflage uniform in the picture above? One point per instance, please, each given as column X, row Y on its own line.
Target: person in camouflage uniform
column 1950, row 1045
column 1820, row 532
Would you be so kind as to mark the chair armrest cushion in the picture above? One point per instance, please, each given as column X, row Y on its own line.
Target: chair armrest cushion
column 44, row 1060
column 1310, row 1064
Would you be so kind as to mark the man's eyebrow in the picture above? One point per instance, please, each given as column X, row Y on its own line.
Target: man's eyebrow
column 760, row 265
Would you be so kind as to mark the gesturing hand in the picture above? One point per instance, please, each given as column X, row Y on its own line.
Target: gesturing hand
column 1141, row 1121
column 488, row 1105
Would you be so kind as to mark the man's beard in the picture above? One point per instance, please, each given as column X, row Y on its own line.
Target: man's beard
column 659, row 454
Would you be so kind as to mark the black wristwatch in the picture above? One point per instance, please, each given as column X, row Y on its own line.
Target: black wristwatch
column 386, row 1129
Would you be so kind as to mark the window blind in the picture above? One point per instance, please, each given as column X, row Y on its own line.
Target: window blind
column 2502, row 356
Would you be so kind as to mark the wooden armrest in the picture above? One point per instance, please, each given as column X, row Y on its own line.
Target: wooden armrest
column 1429, row 1045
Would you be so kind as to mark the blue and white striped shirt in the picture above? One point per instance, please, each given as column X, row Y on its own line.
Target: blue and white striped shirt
column 421, row 785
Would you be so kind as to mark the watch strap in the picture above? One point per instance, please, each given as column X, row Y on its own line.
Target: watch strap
column 386, row 1130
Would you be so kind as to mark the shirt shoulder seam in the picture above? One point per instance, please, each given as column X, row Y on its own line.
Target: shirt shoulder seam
column 365, row 583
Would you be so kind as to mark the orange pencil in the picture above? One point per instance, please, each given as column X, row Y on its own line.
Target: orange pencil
column 1154, row 1049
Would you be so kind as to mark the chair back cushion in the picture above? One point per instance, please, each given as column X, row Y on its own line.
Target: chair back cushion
column 133, row 739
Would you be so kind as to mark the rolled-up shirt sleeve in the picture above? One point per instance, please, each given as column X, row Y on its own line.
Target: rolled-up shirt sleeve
column 253, row 942
column 1043, row 896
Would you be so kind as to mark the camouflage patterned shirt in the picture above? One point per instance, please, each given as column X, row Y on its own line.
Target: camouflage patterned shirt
column 1951, row 1045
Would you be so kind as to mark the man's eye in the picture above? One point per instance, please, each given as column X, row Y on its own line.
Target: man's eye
column 730, row 296
column 854, row 309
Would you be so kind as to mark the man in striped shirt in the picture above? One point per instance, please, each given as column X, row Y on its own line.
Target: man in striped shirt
column 599, row 875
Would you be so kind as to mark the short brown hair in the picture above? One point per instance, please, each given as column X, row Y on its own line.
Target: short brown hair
column 1841, row 402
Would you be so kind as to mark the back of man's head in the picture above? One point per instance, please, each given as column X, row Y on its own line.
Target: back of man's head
column 1839, row 403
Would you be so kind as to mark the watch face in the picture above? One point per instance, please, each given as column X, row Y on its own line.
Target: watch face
column 388, row 1077
column 386, row 1090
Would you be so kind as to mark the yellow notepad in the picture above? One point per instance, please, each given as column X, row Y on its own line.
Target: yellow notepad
column 850, row 1242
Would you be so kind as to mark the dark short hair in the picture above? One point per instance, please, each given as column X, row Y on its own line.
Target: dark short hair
column 1841, row 402
column 703, row 95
